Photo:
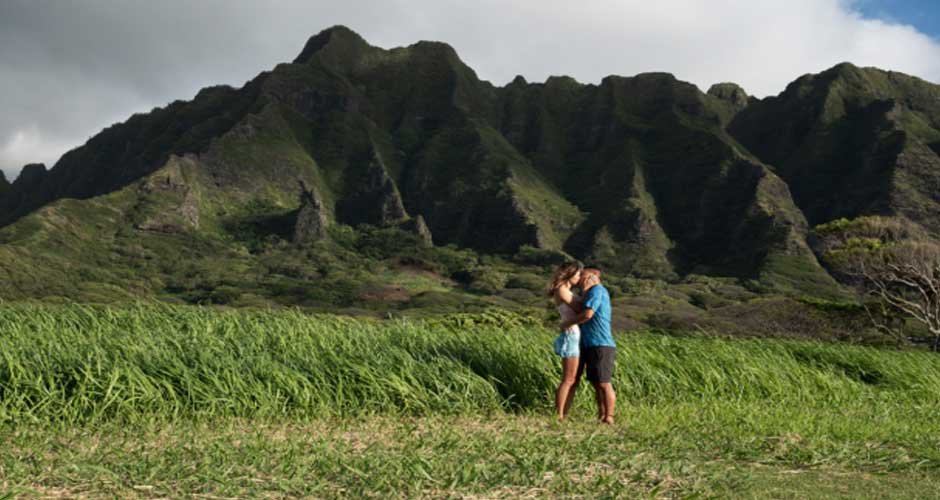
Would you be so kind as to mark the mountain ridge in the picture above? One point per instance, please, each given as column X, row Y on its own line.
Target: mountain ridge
column 644, row 175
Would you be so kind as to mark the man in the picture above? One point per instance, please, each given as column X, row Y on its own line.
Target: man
column 598, row 350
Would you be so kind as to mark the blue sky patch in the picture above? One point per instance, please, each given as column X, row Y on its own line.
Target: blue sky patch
column 922, row 14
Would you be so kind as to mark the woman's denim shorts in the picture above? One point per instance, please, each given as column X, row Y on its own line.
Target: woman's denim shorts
column 567, row 345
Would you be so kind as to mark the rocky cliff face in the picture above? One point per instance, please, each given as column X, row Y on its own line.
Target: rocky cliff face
column 667, row 190
column 644, row 175
column 851, row 141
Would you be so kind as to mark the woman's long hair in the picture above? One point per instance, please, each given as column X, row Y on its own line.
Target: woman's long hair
column 562, row 274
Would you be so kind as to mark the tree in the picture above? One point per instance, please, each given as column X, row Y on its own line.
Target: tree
column 891, row 261
column 904, row 276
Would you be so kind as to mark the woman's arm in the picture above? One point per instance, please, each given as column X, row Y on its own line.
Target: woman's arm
column 564, row 295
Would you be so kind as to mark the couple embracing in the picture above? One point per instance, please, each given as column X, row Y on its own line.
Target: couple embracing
column 585, row 344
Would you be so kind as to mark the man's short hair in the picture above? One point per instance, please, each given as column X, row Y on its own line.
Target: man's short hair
column 592, row 271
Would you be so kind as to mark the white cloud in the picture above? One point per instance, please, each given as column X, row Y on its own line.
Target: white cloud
column 70, row 69
column 22, row 147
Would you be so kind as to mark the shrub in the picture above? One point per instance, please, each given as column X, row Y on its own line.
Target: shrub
column 382, row 243
column 224, row 295
column 527, row 281
column 487, row 280
column 453, row 259
column 540, row 257
column 519, row 295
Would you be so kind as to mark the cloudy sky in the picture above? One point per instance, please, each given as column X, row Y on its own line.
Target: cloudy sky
column 70, row 68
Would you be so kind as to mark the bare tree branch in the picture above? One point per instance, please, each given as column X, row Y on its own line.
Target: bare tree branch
column 892, row 261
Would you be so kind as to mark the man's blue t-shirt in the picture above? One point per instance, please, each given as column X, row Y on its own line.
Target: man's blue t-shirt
column 596, row 332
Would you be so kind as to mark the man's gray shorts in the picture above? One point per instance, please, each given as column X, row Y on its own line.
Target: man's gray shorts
column 598, row 363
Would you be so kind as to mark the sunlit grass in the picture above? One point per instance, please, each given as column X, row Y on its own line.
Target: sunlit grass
column 240, row 403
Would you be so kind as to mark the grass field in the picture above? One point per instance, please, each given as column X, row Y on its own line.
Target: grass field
column 161, row 401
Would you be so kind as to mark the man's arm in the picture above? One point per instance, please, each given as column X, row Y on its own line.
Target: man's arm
column 582, row 317
column 587, row 310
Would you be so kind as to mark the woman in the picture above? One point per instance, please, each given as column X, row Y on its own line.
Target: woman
column 567, row 343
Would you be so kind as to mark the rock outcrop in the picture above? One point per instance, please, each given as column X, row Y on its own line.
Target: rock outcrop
column 731, row 93
column 372, row 198
column 168, row 201
column 312, row 221
column 419, row 228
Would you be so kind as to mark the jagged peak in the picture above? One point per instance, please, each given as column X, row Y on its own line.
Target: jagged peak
column 343, row 49
column 519, row 80
column 338, row 36
column 214, row 90
column 647, row 76
column 876, row 78
column 437, row 53
column 843, row 68
column 725, row 88
column 845, row 72
column 31, row 173
column 849, row 72
column 434, row 49
column 729, row 92
column 657, row 82
column 434, row 45
column 560, row 80
column 838, row 69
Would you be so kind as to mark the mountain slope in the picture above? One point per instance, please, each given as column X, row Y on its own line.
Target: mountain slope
column 669, row 192
column 852, row 141
column 125, row 152
column 646, row 176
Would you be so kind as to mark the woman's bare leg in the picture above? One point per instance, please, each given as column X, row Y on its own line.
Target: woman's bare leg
column 574, row 387
column 565, row 392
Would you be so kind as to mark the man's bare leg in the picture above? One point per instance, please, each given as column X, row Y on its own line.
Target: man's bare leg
column 601, row 401
column 606, row 392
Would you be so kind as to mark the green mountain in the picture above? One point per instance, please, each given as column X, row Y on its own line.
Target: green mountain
column 668, row 191
column 356, row 173
column 852, row 141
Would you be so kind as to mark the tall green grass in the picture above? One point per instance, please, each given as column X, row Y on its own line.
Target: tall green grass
column 79, row 363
